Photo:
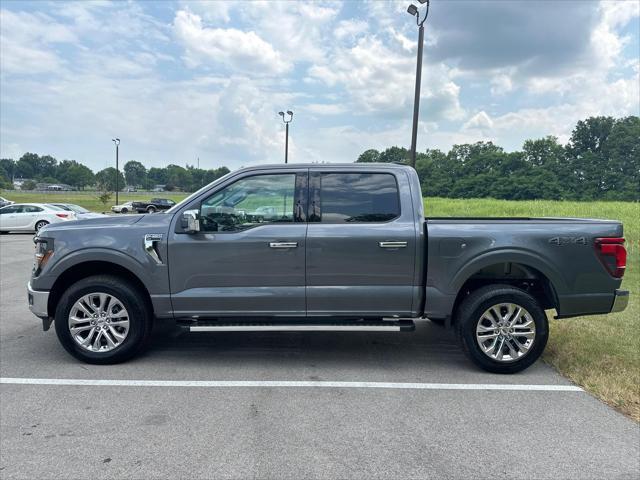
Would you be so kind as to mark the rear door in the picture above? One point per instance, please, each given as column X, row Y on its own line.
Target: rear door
column 360, row 244
column 30, row 216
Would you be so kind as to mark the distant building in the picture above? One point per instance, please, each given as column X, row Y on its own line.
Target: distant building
column 17, row 182
column 54, row 187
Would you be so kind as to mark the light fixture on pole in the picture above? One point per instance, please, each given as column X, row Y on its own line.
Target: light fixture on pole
column 286, row 135
column 117, row 142
column 413, row 11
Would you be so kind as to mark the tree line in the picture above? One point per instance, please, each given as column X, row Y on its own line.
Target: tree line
column 601, row 161
column 47, row 169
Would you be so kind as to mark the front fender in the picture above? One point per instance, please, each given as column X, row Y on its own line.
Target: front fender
column 151, row 275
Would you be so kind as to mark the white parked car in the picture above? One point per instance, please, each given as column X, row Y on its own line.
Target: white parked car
column 4, row 202
column 31, row 217
column 122, row 208
column 81, row 212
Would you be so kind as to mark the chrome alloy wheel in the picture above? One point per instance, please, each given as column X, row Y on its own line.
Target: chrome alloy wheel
column 506, row 332
column 98, row 322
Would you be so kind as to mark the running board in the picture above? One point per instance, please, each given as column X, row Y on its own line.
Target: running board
column 381, row 326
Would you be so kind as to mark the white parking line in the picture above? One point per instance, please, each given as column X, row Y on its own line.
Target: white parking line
column 287, row 384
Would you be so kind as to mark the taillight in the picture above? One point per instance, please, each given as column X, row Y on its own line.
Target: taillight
column 63, row 215
column 612, row 254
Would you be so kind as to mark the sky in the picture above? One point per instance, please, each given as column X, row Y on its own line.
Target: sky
column 179, row 81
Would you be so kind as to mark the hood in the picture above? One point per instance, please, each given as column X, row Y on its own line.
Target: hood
column 109, row 221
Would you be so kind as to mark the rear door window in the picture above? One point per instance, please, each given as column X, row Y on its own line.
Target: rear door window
column 358, row 198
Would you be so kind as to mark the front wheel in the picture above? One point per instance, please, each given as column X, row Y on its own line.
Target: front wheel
column 502, row 329
column 124, row 210
column 102, row 319
column 151, row 209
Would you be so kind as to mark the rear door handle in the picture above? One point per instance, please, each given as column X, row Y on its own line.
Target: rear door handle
column 283, row 244
column 392, row 244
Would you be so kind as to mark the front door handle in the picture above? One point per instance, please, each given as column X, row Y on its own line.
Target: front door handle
column 283, row 244
column 392, row 244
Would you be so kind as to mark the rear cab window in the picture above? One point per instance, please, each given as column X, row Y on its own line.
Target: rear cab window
column 350, row 197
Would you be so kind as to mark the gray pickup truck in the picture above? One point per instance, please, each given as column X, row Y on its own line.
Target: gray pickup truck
column 322, row 248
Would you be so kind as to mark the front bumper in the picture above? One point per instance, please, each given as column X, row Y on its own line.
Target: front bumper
column 620, row 301
column 38, row 302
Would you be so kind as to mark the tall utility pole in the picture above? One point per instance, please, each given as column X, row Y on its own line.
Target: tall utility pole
column 117, row 142
column 286, row 135
column 413, row 10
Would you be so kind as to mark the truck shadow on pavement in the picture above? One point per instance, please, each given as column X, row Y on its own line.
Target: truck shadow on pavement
column 431, row 353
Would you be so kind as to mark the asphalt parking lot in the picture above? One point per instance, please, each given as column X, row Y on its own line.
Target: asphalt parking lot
column 402, row 423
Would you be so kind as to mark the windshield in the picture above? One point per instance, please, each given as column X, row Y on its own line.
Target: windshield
column 77, row 208
column 178, row 205
column 54, row 207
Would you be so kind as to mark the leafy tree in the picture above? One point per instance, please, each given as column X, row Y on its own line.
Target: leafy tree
column 8, row 166
column 135, row 173
column 369, row 156
column 105, row 196
column 5, row 182
column 178, row 177
column 106, row 180
column 394, row 154
column 74, row 173
column 156, row 176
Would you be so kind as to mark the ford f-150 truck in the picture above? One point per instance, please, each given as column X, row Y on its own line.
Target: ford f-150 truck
column 330, row 247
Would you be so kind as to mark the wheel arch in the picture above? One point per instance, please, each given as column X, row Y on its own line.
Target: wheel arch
column 85, row 269
column 522, row 270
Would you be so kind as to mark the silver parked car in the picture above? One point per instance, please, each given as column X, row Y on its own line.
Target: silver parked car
column 31, row 217
column 4, row 202
column 81, row 212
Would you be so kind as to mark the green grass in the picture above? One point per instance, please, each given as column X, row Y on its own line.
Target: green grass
column 88, row 200
column 600, row 353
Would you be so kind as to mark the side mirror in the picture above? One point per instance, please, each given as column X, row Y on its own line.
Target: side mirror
column 191, row 221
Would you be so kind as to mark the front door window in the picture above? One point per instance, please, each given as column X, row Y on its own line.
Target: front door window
column 249, row 202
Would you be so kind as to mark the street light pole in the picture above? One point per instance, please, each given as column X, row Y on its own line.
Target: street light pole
column 117, row 142
column 286, row 135
column 413, row 10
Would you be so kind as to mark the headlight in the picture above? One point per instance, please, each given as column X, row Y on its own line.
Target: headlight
column 43, row 252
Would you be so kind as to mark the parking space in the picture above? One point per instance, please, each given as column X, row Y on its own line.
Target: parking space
column 423, row 411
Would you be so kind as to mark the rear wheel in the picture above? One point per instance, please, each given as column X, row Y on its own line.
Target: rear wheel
column 124, row 210
column 151, row 209
column 41, row 224
column 502, row 329
column 101, row 319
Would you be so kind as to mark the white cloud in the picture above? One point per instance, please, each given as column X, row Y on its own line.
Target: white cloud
column 325, row 108
column 501, row 84
column 480, row 121
column 238, row 50
column 350, row 29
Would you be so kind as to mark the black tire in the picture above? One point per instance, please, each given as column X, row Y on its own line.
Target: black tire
column 469, row 315
column 151, row 209
column 140, row 318
column 40, row 224
column 124, row 210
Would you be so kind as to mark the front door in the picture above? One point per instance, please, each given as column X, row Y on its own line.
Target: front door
column 360, row 244
column 249, row 257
